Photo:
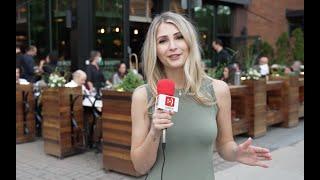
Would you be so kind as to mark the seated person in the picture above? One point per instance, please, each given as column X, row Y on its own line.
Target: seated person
column 79, row 78
column 263, row 66
column 296, row 67
column 120, row 74
column 226, row 75
column 20, row 80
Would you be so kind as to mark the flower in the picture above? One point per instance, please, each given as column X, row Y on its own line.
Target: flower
column 251, row 74
column 56, row 81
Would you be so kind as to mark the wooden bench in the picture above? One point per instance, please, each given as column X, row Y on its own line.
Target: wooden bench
column 25, row 120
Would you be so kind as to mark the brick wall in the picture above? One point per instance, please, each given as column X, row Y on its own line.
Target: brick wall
column 273, row 21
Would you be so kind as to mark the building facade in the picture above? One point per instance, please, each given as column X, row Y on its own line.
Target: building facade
column 117, row 27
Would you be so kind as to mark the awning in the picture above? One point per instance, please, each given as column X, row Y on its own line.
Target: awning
column 294, row 13
column 242, row 2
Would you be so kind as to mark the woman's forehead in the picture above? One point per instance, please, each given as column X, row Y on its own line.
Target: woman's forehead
column 166, row 28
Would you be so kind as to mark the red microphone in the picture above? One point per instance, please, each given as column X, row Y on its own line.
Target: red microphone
column 165, row 99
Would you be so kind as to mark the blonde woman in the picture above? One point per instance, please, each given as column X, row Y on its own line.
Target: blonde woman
column 203, row 123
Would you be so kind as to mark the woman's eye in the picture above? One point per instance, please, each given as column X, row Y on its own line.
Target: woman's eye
column 162, row 41
column 179, row 37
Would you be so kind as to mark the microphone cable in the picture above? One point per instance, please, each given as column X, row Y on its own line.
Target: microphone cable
column 163, row 145
column 164, row 158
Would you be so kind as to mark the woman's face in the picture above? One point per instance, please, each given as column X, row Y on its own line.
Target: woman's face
column 172, row 49
column 225, row 72
column 122, row 68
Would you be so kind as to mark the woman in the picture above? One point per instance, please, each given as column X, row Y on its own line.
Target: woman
column 226, row 74
column 95, row 77
column 50, row 63
column 171, row 50
column 120, row 74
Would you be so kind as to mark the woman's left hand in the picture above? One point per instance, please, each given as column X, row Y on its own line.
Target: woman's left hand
column 252, row 155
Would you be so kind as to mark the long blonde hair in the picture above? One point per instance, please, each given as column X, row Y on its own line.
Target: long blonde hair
column 194, row 72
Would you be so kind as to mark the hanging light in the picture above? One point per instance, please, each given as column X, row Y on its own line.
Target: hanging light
column 136, row 32
column 117, row 29
column 102, row 30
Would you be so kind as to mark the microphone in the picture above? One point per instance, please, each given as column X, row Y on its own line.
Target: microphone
column 165, row 99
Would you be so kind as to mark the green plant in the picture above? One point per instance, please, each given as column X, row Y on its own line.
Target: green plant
column 298, row 45
column 130, row 82
column 267, row 50
column 283, row 49
column 218, row 73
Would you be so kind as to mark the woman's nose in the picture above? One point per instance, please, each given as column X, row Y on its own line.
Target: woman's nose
column 172, row 45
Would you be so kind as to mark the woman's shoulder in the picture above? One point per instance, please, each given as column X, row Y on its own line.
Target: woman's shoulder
column 140, row 93
column 219, row 86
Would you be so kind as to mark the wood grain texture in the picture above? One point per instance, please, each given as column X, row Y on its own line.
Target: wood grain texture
column 57, row 130
column 22, row 137
column 116, row 131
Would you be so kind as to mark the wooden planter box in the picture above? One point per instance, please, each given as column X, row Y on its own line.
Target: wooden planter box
column 255, row 104
column 275, row 104
column 301, row 97
column 290, row 100
column 25, row 120
column 61, row 139
column 240, row 123
column 116, row 132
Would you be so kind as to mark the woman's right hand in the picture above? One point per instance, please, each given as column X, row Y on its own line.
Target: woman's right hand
column 161, row 120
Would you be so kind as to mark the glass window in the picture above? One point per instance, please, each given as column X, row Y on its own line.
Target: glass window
column 140, row 8
column 179, row 6
column 60, row 33
column 109, row 28
column 224, row 19
column 204, row 19
column 38, row 27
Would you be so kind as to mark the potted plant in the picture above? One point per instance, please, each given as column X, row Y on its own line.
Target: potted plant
column 116, row 120
column 62, row 117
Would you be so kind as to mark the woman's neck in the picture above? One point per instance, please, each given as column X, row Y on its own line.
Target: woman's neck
column 177, row 75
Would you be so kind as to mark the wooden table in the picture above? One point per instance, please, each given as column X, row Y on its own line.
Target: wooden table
column 25, row 121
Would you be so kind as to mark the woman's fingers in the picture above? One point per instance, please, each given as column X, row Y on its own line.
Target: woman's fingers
column 163, row 126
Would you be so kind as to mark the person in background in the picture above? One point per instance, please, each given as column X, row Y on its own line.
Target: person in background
column 226, row 76
column 264, row 66
column 27, row 63
column 18, row 56
column 223, row 57
column 120, row 74
column 296, row 67
column 49, row 64
column 18, row 79
column 79, row 78
column 95, row 77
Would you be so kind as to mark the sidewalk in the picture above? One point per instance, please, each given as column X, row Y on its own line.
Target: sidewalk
column 286, row 144
column 287, row 164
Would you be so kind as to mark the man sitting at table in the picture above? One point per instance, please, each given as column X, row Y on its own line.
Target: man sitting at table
column 79, row 78
column 263, row 66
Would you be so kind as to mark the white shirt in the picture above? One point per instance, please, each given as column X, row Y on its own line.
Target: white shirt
column 23, row 81
column 87, row 101
column 264, row 69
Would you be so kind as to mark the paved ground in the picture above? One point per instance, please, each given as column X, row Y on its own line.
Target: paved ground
column 286, row 145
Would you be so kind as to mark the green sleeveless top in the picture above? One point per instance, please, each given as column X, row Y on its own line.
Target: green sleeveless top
column 189, row 148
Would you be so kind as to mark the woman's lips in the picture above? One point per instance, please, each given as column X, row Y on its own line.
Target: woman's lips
column 174, row 56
